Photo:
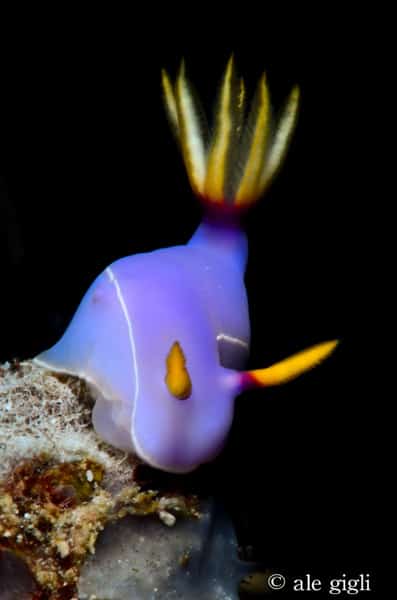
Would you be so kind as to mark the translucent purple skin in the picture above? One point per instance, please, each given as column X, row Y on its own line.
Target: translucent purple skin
column 124, row 328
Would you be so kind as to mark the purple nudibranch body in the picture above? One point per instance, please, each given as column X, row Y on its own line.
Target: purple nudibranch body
column 161, row 337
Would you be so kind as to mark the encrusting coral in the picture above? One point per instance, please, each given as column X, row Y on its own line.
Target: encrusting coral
column 59, row 483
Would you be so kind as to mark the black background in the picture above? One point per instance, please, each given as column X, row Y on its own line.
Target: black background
column 91, row 173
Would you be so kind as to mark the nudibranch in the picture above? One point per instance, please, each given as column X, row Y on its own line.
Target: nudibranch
column 162, row 337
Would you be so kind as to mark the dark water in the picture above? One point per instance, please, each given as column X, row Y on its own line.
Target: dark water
column 92, row 174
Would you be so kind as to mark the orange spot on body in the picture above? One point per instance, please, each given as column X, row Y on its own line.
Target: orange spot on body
column 177, row 376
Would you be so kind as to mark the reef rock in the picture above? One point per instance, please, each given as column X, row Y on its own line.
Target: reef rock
column 76, row 520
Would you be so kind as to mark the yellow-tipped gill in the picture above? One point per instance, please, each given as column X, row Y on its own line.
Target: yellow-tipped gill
column 243, row 154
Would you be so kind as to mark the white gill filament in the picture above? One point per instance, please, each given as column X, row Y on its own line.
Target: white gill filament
column 191, row 138
column 281, row 139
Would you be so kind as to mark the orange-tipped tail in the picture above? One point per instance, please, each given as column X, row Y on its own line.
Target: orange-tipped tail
column 287, row 369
